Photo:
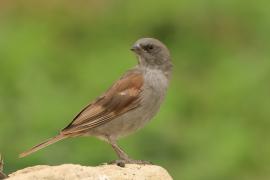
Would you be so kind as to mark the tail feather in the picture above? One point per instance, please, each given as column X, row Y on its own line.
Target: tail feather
column 43, row 145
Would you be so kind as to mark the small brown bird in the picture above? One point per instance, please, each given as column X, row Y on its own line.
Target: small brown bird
column 128, row 105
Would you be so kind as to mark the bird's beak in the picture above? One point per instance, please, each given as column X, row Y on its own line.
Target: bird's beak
column 135, row 48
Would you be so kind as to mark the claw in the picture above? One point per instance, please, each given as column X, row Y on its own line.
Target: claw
column 122, row 162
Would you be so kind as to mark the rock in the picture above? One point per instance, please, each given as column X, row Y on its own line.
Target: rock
column 103, row 172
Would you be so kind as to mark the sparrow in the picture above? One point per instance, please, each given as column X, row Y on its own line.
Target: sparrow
column 127, row 105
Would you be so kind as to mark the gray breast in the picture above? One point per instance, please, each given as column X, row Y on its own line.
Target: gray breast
column 155, row 86
column 154, row 89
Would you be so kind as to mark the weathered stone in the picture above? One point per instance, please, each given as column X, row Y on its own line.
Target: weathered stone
column 103, row 172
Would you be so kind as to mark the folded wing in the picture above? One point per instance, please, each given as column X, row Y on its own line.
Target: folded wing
column 122, row 97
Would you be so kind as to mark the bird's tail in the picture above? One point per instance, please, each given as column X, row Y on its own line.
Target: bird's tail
column 43, row 145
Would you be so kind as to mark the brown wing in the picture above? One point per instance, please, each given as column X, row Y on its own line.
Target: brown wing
column 123, row 96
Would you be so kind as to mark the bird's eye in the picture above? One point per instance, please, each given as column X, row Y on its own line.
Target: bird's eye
column 148, row 47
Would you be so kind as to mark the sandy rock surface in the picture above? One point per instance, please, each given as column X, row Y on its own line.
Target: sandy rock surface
column 103, row 172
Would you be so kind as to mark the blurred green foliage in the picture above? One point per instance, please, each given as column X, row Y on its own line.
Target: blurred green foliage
column 56, row 56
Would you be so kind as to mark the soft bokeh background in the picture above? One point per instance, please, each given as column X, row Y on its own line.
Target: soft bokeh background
column 56, row 56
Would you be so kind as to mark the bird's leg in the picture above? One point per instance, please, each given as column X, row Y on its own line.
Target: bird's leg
column 120, row 153
column 123, row 157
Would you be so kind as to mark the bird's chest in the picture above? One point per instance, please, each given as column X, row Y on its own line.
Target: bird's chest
column 155, row 86
column 154, row 89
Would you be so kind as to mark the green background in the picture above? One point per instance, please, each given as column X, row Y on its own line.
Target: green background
column 57, row 56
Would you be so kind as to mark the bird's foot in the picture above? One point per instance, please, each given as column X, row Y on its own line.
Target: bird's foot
column 123, row 162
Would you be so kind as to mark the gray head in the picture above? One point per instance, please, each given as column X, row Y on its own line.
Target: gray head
column 152, row 54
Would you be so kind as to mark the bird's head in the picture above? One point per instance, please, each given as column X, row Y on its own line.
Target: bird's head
column 152, row 53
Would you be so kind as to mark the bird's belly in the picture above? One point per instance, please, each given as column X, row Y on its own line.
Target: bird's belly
column 127, row 123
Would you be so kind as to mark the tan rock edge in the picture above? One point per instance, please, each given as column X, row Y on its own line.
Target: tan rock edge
column 103, row 172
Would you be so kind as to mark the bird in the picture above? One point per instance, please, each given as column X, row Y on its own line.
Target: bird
column 128, row 105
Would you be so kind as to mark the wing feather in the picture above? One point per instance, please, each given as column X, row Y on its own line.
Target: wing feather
column 122, row 97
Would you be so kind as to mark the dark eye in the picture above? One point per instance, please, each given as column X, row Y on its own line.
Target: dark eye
column 148, row 47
